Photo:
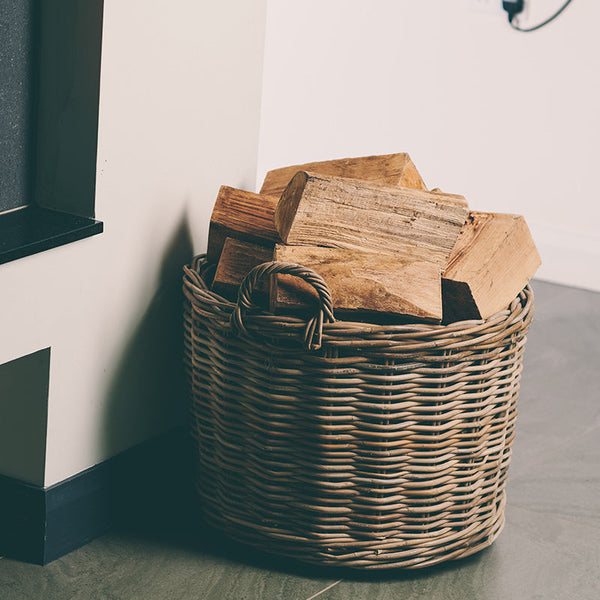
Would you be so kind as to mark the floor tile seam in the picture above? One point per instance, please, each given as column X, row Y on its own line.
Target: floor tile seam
column 325, row 589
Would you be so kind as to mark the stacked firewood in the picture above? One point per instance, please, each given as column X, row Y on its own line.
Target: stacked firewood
column 386, row 246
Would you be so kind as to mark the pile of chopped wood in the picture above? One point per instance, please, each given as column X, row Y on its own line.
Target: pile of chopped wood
column 386, row 246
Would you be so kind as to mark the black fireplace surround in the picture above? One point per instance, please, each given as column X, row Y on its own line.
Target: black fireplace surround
column 49, row 91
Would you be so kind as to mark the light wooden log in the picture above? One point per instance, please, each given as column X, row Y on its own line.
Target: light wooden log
column 241, row 215
column 492, row 261
column 237, row 259
column 346, row 213
column 361, row 282
column 390, row 169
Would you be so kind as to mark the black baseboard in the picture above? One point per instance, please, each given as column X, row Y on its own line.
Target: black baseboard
column 22, row 520
column 39, row 525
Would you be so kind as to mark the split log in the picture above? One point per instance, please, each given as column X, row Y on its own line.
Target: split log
column 346, row 213
column 492, row 261
column 237, row 259
column 363, row 282
column 241, row 215
column 389, row 169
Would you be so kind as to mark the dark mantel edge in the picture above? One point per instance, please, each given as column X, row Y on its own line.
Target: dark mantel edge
column 33, row 229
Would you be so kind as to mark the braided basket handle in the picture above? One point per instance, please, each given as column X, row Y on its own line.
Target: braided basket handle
column 313, row 332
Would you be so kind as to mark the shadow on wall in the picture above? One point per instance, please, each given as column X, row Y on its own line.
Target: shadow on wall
column 147, row 395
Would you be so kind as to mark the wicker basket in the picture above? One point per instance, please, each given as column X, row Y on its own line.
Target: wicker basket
column 351, row 444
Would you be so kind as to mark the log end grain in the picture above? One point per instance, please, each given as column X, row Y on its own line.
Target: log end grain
column 494, row 256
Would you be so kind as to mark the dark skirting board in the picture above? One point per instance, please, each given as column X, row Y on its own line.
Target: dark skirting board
column 39, row 525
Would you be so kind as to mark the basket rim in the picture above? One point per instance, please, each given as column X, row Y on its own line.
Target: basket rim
column 419, row 336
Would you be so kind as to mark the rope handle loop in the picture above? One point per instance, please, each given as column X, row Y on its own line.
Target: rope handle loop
column 313, row 332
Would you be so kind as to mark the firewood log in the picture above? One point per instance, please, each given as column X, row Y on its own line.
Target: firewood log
column 241, row 215
column 492, row 261
column 389, row 169
column 237, row 259
column 361, row 282
column 346, row 213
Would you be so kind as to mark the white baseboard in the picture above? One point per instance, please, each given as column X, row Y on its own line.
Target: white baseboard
column 568, row 257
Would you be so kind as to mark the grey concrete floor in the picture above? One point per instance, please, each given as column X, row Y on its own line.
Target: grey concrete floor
column 550, row 547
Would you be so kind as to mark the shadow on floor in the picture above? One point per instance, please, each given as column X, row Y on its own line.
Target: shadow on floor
column 172, row 517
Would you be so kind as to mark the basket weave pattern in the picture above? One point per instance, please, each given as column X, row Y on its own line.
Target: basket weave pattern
column 351, row 444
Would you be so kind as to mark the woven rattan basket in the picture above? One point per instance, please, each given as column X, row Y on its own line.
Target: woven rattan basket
column 350, row 444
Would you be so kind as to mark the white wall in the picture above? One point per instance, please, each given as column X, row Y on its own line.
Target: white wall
column 510, row 120
column 179, row 116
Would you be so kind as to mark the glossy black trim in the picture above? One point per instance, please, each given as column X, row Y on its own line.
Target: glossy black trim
column 22, row 520
column 39, row 525
column 32, row 229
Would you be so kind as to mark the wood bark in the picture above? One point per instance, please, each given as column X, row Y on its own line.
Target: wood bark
column 361, row 282
column 390, row 169
column 492, row 261
column 241, row 215
column 346, row 213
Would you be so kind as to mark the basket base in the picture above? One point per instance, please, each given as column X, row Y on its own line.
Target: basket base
column 388, row 553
